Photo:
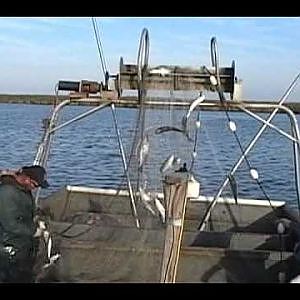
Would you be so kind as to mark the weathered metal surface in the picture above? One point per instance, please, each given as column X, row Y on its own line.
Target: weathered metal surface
column 179, row 78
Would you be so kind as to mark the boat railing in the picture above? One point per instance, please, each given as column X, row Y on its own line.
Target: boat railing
column 42, row 154
column 44, row 147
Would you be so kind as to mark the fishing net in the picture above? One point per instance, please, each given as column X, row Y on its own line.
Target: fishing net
column 97, row 232
column 102, row 230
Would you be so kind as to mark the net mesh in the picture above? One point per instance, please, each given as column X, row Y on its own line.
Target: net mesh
column 97, row 234
column 119, row 251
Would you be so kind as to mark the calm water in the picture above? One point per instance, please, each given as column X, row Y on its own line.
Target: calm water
column 87, row 153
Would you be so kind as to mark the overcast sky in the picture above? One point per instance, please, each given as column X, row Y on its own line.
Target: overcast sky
column 37, row 52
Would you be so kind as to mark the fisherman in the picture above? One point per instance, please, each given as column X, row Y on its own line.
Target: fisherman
column 18, row 246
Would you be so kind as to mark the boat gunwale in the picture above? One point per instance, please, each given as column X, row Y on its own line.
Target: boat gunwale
column 201, row 198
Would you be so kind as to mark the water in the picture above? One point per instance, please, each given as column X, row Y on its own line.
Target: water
column 87, row 153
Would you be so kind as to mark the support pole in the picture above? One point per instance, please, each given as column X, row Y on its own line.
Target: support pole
column 132, row 200
column 175, row 195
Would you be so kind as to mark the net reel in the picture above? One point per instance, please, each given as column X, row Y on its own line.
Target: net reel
column 180, row 78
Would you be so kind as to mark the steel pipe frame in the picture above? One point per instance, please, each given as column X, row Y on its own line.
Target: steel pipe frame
column 44, row 147
column 215, row 63
column 142, row 64
column 292, row 117
column 133, row 206
column 79, row 117
column 250, row 146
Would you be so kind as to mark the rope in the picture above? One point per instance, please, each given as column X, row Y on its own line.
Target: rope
column 73, row 223
column 215, row 63
column 246, row 159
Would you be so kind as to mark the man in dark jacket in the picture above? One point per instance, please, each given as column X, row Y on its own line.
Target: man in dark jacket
column 18, row 246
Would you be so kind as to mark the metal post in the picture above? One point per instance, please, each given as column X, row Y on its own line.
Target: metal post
column 133, row 206
column 268, row 124
column 175, row 192
column 81, row 116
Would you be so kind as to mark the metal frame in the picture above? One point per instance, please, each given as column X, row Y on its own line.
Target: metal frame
column 295, row 138
column 132, row 199
column 215, row 63
column 44, row 147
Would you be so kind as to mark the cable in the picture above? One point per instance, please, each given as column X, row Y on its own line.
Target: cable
column 76, row 235
column 246, row 159
column 68, row 227
column 215, row 63
column 61, row 233
column 99, row 48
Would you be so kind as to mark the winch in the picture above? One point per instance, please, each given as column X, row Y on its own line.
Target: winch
column 162, row 77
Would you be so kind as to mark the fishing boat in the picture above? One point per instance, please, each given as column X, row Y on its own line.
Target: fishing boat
column 174, row 233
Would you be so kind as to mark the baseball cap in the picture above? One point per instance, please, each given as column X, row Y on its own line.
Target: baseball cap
column 37, row 173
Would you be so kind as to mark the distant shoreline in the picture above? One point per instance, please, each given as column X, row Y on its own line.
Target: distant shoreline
column 29, row 99
column 123, row 102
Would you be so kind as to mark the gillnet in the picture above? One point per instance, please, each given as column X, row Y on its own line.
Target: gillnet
column 130, row 233
column 132, row 230
column 163, row 141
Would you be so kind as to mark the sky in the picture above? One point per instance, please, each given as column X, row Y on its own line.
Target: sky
column 37, row 52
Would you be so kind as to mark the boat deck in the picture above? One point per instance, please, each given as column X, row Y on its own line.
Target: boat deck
column 96, row 235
